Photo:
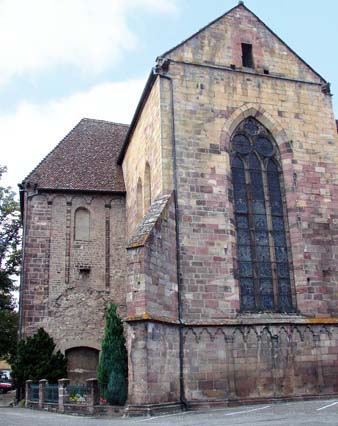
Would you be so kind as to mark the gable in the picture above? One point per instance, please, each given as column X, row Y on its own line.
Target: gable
column 220, row 44
column 84, row 160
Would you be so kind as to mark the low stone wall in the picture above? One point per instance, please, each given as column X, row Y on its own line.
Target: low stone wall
column 89, row 404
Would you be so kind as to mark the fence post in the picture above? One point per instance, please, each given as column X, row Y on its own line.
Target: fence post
column 28, row 392
column 62, row 393
column 92, row 394
column 42, row 390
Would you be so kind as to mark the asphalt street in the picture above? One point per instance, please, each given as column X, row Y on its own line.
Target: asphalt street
column 309, row 413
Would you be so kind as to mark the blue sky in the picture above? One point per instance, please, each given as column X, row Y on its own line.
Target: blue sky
column 67, row 59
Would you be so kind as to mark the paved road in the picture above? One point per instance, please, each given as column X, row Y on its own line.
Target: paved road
column 308, row 413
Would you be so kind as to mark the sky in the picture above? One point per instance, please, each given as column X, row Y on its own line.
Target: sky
column 62, row 60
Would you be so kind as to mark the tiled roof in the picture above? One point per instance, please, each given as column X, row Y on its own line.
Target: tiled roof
column 84, row 160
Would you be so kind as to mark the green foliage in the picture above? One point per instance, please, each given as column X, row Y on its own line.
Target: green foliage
column 113, row 367
column 35, row 359
column 8, row 333
column 10, row 257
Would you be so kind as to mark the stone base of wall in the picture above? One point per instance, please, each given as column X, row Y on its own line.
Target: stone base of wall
column 247, row 363
column 232, row 364
column 153, row 409
column 80, row 410
column 45, row 407
column 205, row 405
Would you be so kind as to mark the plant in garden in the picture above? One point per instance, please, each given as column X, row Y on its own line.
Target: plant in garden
column 113, row 367
column 10, row 257
column 35, row 359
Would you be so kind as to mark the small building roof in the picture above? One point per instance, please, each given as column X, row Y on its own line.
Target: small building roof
column 85, row 160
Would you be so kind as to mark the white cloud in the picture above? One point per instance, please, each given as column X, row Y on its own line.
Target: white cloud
column 33, row 130
column 89, row 34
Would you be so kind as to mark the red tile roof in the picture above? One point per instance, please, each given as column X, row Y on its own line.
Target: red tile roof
column 84, row 160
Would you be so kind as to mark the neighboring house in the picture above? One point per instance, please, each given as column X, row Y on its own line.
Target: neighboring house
column 5, row 369
column 219, row 240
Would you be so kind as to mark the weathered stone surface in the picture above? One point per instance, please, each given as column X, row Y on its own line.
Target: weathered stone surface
column 210, row 99
column 183, row 247
column 68, row 283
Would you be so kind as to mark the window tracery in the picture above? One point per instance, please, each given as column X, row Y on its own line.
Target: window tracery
column 262, row 251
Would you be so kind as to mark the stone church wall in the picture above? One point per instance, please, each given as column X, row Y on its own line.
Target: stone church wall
column 260, row 362
column 228, row 355
column 208, row 104
column 83, row 275
column 153, row 350
column 152, row 279
column 152, row 303
column 145, row 146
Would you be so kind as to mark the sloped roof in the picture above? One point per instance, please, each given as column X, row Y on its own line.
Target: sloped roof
column 84, row 160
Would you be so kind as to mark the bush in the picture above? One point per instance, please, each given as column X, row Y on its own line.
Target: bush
column 113, row 367
column 35, row 359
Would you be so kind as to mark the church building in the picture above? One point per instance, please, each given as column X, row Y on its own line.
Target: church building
column 211, row 221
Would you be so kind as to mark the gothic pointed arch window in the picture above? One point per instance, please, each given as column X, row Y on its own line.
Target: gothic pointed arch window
column 260, row 216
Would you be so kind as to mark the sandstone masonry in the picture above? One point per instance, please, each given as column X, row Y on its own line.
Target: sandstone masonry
column 166, row 238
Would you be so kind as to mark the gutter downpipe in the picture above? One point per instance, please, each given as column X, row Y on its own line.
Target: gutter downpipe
column 183, row 401
column 24, row 208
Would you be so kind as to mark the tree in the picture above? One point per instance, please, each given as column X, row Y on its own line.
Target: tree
column 113, row 368
column 10, row 257
column 35, row 359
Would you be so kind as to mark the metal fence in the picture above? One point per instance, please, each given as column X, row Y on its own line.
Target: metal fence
column 34, row 392
column 52, row 393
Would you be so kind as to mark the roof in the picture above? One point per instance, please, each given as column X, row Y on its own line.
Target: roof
column 84, row 160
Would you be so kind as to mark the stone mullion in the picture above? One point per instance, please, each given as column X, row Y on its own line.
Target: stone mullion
column 252, row 235
column 270, row 236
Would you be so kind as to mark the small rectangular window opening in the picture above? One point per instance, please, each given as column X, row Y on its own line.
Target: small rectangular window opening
column 247, row 58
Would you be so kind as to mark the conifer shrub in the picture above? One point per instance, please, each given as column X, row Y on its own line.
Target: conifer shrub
column 113, row 367
column 35, row 360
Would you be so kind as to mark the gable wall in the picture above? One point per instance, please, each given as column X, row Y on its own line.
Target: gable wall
column 220, row 44
column 207, row 103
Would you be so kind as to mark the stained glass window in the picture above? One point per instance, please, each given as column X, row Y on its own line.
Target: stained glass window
column 262, row 252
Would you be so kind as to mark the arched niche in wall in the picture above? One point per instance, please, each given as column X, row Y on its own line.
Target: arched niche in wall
column 139, row 200
column 82, row 224
column 82, row 363
column 147, row 187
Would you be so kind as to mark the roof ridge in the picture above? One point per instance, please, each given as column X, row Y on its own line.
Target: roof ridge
column 202, row 29
column 103, row 121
